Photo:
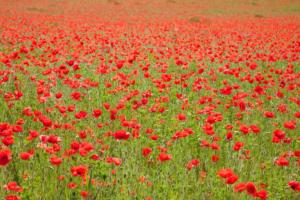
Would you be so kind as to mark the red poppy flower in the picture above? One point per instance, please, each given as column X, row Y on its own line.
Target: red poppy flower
column 251, row 189
column 192, row 163
column 116, row 161
column 84, row 194
column 13, row 186
column 12, row 197
column 97, row 113
column 237, row 146
column 282, row 161
column 154, row 137
column 146, row 151
column 121, row 135
column 164, row 157
column 72, row 185
column 81, row 115
column 225, row 173
column 181, row 117
column 215, row 158
column 240, row 187
column 269, row 114
column 55, row 160
column 290, row 125
column 232, row 179
column 76, row 96
column 5, row 157
column 294, row 185
column 25, row 156
column 79, row 170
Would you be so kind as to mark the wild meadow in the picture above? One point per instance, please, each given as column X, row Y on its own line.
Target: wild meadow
column 149, row 100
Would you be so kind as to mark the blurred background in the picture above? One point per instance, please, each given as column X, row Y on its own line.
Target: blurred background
column 139, row 10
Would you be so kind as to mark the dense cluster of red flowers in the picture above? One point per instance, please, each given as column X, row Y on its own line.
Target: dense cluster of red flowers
column 91, row 103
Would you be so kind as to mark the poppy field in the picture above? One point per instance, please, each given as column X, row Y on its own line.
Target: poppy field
column 149, row 100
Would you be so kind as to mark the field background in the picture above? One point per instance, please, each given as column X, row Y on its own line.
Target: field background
column 151, row 9
column 199, row 44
